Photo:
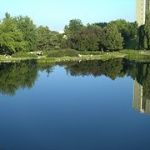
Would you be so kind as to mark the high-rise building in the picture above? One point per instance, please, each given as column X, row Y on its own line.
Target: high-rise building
column 141, row 102
column 142, row 7
column 138, row 97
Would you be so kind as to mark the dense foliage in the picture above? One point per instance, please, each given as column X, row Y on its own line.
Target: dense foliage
column 144, row 34
column 19, row 34
column 47, row 39
column 11, row 38
column 128, row 31
column 93, row 37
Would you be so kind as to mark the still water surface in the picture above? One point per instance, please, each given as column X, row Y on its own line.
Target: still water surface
column 76, row 106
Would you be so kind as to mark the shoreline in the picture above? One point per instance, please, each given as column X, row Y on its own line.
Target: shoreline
column 128, row 54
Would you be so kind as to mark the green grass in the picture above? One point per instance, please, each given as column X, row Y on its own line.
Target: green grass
column 73, row 55
column 136, row 54
column 61, row 53
column 24, row 55
column 70, row 53
column 90, row 56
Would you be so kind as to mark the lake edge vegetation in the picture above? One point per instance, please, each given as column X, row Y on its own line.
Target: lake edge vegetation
column 21, row 39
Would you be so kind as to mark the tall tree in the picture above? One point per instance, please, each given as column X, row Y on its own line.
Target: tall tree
column 47, row 40
column 28, row 28
column 43, row 38
column 89, row 38
column 72, row 33
column 73, row 27
column 112, row 39
column 128, row 31
column 147, row 32
column 11, row 38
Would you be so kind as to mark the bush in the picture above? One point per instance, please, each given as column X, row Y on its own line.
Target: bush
column 62, row 53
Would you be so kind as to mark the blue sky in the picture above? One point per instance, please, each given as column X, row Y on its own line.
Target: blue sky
column 57, row 13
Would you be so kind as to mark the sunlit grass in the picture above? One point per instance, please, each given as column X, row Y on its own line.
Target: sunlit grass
column 73, row 55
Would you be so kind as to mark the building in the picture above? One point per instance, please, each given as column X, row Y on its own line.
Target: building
column 138, row 97
column 140, row 12
column 142, row 7
column 140, row 102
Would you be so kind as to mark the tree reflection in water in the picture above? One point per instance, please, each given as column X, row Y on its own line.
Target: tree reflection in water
column 23, row 75
column 19, row 75
column 138, row 71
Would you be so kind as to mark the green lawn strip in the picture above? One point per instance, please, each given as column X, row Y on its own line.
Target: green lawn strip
column 73, row 55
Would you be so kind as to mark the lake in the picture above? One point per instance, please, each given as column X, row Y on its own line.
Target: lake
column 91, row 105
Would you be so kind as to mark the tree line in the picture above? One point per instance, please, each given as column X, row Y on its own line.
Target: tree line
column 111, row 36
column 19, row 34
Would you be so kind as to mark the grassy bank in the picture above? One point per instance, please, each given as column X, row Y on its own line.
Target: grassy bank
column 138, row 55
column 73, row 55
column 61, row 56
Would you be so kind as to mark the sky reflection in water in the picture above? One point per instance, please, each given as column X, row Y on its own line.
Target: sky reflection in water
column 76, row 106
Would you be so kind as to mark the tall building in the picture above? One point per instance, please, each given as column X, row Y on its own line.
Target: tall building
column 140, row 12
column 138, row 97
column 142, row 7
column 141, row 103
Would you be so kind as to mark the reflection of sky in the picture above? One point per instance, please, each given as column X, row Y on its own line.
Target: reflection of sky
column 57, row 13
column 76, row 112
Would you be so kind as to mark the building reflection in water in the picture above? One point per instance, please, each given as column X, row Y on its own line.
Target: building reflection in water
column 140, row 102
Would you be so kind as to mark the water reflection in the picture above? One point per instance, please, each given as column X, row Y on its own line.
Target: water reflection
column 111, row 68
column 141, row 102
column 19, row 75
column 24, row 75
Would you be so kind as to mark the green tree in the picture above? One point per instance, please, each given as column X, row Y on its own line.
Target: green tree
column 28, row 28
column 43, row 38
column 89, row 38
column 128, row 31
column 142, row 41
column 56, row 40
column 47, row 39
column 112, row 39
column 84, row 38
column 73, row 27
column 72, row 33
column 11, row 38
column 147, row 32
column 101, row 24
